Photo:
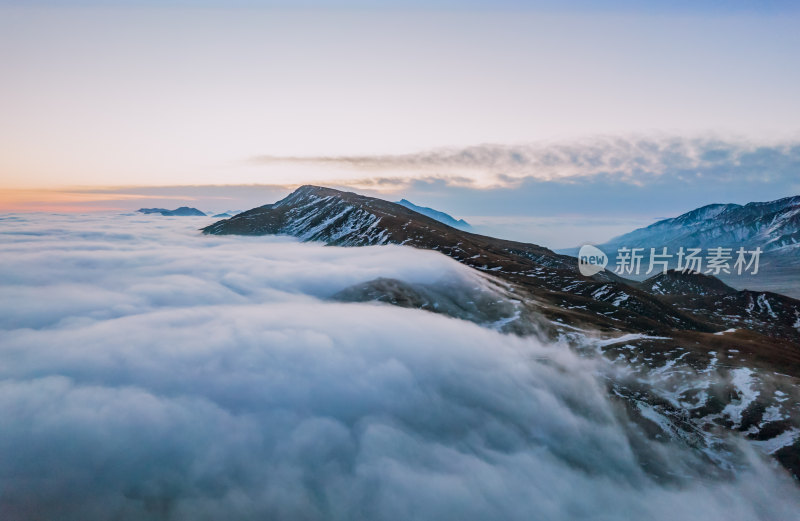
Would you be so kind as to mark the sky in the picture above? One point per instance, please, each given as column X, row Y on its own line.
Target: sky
column 125, row 96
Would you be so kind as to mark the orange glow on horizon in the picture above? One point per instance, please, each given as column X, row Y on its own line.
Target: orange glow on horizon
column 73, row 201
column 81, row 199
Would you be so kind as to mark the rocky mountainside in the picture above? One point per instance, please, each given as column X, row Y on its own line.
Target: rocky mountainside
column 697, row 358
column 712, row 299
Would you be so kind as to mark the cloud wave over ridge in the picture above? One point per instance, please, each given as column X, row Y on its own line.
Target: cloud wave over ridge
column 149, row 372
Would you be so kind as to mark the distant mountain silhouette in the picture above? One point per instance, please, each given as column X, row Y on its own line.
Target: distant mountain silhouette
column 183, row 211
column 436, row 214
column 772, row 226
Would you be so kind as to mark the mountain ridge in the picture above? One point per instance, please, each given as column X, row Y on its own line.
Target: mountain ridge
column 604, row 301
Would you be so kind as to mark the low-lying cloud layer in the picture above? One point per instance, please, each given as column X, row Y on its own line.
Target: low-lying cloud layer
column 150, row 372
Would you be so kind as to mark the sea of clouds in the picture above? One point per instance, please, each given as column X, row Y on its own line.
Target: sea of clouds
column 150, row 372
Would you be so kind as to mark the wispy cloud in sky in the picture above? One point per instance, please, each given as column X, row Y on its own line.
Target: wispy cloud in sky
column 634, row 161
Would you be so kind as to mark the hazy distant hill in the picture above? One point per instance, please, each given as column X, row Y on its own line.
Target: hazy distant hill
column 773, row 226
column 183, row 211
column 436, row 214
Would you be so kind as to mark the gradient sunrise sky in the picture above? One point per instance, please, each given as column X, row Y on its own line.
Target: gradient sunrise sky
column 173, row 93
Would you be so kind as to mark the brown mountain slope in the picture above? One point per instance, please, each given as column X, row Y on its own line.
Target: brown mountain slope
column 605, row 302
column 549, row 280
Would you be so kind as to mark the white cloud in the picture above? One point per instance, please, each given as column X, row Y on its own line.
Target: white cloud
column 149, row 372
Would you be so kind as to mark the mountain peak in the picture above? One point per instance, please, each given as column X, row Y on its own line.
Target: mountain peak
column 307, row 190
column 313, row 189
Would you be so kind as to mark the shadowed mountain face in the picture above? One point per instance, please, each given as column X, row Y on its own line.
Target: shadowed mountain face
column 701, row 358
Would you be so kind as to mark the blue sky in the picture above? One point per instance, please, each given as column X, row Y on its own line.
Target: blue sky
column 691, row 6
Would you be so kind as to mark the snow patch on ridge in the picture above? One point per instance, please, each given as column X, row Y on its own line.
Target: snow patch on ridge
column 743, row 383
